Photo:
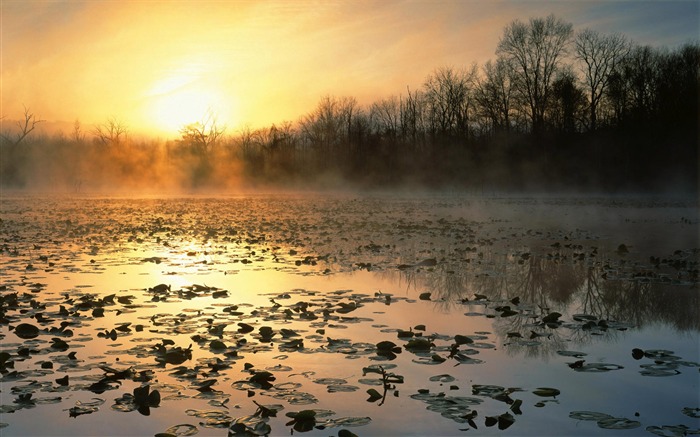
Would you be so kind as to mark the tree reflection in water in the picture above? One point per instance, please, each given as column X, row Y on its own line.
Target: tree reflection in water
column 566, row 279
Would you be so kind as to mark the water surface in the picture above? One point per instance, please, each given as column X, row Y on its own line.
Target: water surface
column 548, row 316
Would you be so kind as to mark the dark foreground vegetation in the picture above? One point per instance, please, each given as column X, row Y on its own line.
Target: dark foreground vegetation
column 556, row 110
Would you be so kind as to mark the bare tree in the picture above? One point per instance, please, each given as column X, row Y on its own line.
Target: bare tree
column 25, row 127
column 494, row 94
column 203, row 135
column 78, row 135
column 641, row 70
column 386, row 115
column 600, row 55
column 326, row 126
column 535, row 50
column 413, row 117
column 448, row 93
column 112, row 133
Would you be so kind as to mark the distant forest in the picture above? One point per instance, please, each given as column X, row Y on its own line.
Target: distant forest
column 555, row 110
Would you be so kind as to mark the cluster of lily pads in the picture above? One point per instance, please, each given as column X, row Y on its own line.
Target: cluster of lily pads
column 223, row 349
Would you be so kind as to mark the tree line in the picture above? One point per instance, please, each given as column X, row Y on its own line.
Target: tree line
column 556, row 109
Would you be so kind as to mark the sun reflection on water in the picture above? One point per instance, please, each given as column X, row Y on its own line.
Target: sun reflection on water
column 176, row 302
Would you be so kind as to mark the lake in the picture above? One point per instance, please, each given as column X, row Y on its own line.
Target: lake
column 347, row 314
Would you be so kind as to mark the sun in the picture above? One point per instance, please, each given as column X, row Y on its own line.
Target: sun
column 177, row 101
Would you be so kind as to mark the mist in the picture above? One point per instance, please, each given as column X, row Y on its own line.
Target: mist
column 629, row 126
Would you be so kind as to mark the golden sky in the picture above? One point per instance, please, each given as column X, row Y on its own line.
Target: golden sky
column 157, row 65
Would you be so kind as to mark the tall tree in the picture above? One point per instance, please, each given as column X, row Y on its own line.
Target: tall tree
column 642, row 72
column 412, row 118
column 202, row 136
column 568, row 103
column 494, row 94
column 386, row 116
column 600, row 56
column 535, row 50
column 448, row 94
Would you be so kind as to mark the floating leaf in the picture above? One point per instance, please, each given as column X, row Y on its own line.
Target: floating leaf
column 637, row 353
column 249, row 425
column 487, row 390
column 618, row 423
column 588, row 415
column 405, row 334
column 507, row 312
column 387, row 346
column 217, row 345
column 81, row 408
column 552, row 317
column 671, row 430
column 419, row 344
column 463, row 339
column 184, row 429
column 515, row 407
column 437, row 358
column 596, row 367
column 505, row 420
column 691, row 412
column 461, row 358
column 546, row 392
column 302, row 421
column 205, row 386
column 245, row 328
column 575, row 354
column 442, row 378
column 26, row 331
column 373, row 395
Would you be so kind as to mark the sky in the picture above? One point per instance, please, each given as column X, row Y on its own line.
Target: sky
column 156, row 66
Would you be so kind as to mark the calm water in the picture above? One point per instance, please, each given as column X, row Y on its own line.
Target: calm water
column 521, row 316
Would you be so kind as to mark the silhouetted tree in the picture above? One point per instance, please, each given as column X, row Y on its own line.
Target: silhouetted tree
column 202, row 136
column 327, row 129
column 413, row 118
column 678, row 87
column 600, row 55
column 494, row 94
column 535, row 51
column 78, row 136
column 25, row 127
column 641, row 72
column 568, row 103
column 448, row 97
column 111, row 133
column 386, row 117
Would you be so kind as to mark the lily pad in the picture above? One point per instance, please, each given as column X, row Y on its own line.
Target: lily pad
column 575, row 354
column 671, row 430
column 26, row 331
column 442, row 378
column 691, row 412
column 618, row 423
column 249, row 425
column 546, row 392
column 588, row 415
column 596, row 367
column 184, row 429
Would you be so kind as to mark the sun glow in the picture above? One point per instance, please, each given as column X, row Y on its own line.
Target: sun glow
column 177, row 101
